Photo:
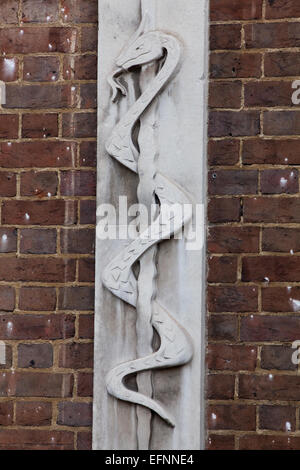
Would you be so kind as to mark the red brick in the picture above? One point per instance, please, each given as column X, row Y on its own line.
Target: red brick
column 76, row 355
column 282, row 123
column 237, row 417
column 86, row 270
column 54, row 212
column 281, row 239
column 231, row 357
column 268, row 328
column 276, row 210
column 274, row 152
column 6, row 361
column 82, row 67
column 39, row 125
column 225, row 94
column 9, row 68
column 89, row 39
column 223, row 152
column 232, row 299
column 8, row 240
column 7, row 298
column 37, row 356
column 37, row 154
column 277, row 357
column 224, row 210
column 88, row 212
column 84, row 441
column 39, row 11
column 37, row 269
column 281, row 299
column 76, row 298
column 88, row 154
column 86, row 326
column 269, row 387
column 272, row 35
column 88, row 94
column 222, row 327
column 37, row 241
column 80, row 125
column 261, row 442
column 7, row 184
column 279, row 181
column 85, row 384
column 41, row 69
column 35, row 384
column 9, row 124
column 268, row 94
column 226, row 10
column 282, row 9
column 225, row 239
column 33, row 439
column 282, row 64
column 271, row 268
column 78, row 183
column 38, row 40
column 74, row 414
column 9, row 11
column 233, row 123
column 77, row 241
column 225, row 36
column 220, row 386
column 37, row 298
column 6, row 413
column 81, row 11
column 33, row 413
column 221, row 269
column 235, row 65
column 36, row 326
column 40, row 97
column 219, row 442
column 39, row 183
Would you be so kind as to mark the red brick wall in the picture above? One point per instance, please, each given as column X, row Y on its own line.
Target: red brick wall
column 253, row 388
column 47, row 202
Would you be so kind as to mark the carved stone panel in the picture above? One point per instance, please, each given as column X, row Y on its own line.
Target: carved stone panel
column 149, row 317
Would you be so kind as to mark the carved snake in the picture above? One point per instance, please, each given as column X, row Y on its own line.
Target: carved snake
column 175, row 343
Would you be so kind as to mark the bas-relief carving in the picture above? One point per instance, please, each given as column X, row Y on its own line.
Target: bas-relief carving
column 161, row 53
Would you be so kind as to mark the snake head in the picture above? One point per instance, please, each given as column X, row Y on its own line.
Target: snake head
column 143, row 50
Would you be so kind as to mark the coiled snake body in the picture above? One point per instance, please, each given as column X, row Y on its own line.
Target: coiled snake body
column 175, row 343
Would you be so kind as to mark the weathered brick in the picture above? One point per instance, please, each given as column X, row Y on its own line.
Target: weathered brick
column 87, row 212
column 9, row 68
column 268, row 442
column 37, row 298
column 78, row 183
column 222, row 327
column 271, row 268
column 277, row 210
column 272, row 35
column 223, row 10
column 238, row 417
column 81, row 11
column 37, row 356
column 77, row 241
column 221, row 269
column 232, row 299
column 225, row 239
column 6, row 413
column 224, row 210
column 80, row 125
column 282, row 64
column 281, row 299
column 88, row 95
column 282, row 122
column 282, row 9
column 84, row 441
column 220, row 387
column 231, row 357
column 39, row 183
column 233, row 123
column 35, row 384
column 268, row 94
column 7, row 184
column 219, row 442
column 86, row 270
column 235, row 65
column 89, row 39
column 271, row 151
column 225, row 36
column 76, row 298
column 279, row 181
column 38, row 40
column 74, row 414
column 85, row 384
column 37, row 154
column 52, row 212
column 9, row 124
column 270, row 328
column 88, row 154
column 33, row 413
column 9, row 11
column 76, row 355
column 277, row 357
column 37, row 269
column 281, row 239
column 33, row 439
column 223, row 152
column 225, row 94
column 269, row 387
column 39, row 126
column 36, row 326
column 38, row 11
column 8, row 240
column 41, row 97
column 41, row 69
column 82, row 67
column 7, row 298
column 37, row 241
column 86, row 326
